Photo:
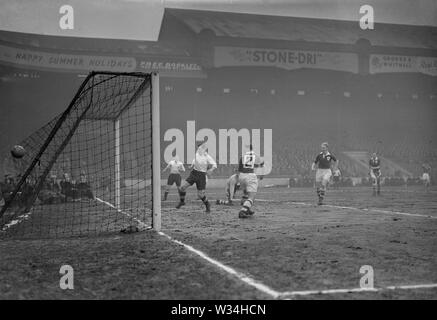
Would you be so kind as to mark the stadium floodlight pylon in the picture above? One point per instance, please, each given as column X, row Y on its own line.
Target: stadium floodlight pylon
column 95, row 168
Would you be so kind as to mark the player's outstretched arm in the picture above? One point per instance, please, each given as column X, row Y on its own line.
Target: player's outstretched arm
column 182, row 167
column 258, row 162
column 166, row 168
column 212, row 163
column 259, row 165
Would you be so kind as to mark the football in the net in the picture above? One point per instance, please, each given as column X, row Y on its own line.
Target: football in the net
column 18, row 151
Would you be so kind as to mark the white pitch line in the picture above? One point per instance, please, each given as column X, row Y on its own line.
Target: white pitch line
column 19, row 219
column 241, row 276
column 264, row 288
column 355, row 290
column 140, row 223
column 333, row 206
column 382, row 211
column 258, row 285
column 356, row 209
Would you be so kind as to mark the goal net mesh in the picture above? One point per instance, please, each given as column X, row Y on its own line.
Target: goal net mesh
column 89, row 170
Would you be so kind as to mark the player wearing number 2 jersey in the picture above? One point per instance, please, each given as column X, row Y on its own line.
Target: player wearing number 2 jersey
column 248, row 181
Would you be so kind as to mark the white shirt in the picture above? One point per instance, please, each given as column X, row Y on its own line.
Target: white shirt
column 201, row 162
column 176, row 166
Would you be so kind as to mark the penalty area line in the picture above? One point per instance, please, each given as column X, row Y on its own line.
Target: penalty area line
column 374, row 210
column 381, row 211
column 356, row 290
column 241, row 276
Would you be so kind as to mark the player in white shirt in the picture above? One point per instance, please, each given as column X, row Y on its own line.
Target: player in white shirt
column 232, row 185
column 176, row 167
column 203, row 164
column 336, row 176
column 426, row 176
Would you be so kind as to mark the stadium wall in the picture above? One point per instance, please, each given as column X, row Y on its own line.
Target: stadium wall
column 303, row 90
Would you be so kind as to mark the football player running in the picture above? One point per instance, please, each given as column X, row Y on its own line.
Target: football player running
column 322, row 165
column 375, row 174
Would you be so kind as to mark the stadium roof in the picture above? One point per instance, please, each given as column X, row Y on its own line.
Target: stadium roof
column 240, row 25
column 180, row 27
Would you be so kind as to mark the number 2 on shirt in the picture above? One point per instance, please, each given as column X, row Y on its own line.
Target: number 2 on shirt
column 249, row 161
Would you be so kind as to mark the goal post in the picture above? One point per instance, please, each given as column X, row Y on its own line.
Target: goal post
column 117, row 180
column 156, row 151
column 95, row 168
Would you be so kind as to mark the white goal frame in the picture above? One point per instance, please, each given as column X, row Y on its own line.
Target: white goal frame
column 156, row 156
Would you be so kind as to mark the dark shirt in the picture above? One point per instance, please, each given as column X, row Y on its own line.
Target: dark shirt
column 248, row 163
column 324, row 161
column 374, row 163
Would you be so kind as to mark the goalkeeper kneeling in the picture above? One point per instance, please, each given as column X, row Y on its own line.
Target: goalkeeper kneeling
column 232, row 185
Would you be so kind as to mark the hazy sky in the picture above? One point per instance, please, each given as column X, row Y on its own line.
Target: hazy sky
column 416, row 12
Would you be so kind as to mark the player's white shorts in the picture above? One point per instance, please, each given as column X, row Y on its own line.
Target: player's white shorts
column 323, row 175
column 248, row 182
column 373, row 175
column 426, row 178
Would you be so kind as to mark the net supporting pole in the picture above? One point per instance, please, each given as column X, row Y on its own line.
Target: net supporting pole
column 117, row 163
column 156, row 154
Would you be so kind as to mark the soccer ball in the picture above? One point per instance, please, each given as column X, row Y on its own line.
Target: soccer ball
column 18, row 151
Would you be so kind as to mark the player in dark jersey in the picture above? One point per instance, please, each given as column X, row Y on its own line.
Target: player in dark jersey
column 323, row 173
column 248, row 181
column 375, row 173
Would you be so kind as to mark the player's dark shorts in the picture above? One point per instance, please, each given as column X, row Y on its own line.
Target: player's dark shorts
column 174, row 178
column 198, row 178
column 336, row 178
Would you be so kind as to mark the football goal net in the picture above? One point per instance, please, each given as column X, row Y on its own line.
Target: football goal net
column 93, row 169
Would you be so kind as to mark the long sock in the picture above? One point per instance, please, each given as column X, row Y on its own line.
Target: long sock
column 247, row 205
column 182, row 196
column 204, row 200
column 322, row 193
column 165, row 195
